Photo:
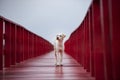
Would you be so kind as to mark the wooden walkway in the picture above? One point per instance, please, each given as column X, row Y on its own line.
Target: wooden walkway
column 43, row 68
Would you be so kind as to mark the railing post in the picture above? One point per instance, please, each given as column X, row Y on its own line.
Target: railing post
column 18, row 45
column 1, row 43
column 91, row 42
column 13, row 43
column 105, row 22
column 98, row 42
column 114, row 7
column 7, row 53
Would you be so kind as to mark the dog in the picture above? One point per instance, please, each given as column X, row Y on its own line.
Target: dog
column 59, row 49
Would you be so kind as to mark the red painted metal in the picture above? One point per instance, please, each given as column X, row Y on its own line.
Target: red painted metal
column 95, row 43
column 13, row 44
column 115, row 36
column 107, row 39
column 91, row 41
column 43, row 68
column 1, row 43
column 7, row 53
column 20, row 44
column 98, row 42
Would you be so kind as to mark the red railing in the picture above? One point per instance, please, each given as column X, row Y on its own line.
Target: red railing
column 95, row 44
column 18, row 44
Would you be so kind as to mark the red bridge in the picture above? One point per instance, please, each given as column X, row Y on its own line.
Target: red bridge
column 92, row 51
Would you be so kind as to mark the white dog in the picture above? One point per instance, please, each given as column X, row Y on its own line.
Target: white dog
column 59, row 48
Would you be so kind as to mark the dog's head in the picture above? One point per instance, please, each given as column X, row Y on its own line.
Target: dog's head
column 60, row 37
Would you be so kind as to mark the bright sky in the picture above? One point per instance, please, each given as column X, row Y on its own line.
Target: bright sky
column 46, row 18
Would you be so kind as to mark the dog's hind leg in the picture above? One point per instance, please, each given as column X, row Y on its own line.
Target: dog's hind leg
column 56, row 58
column 61, row 57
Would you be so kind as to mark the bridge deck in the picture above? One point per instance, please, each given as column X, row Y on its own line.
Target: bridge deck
column 43, row 68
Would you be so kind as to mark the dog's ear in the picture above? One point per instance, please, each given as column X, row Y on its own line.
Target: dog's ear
column 57, row 37
column 63, row 35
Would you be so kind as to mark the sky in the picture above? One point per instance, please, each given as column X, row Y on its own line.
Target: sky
column 46, row 18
